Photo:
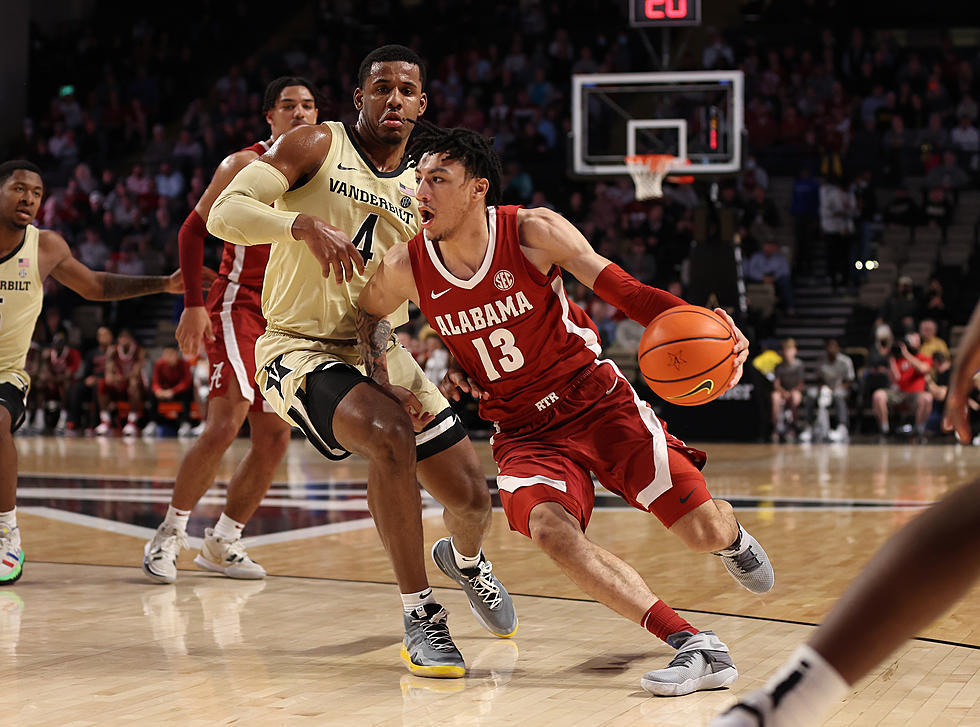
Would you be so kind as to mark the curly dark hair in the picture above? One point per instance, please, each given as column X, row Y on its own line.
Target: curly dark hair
column 471, row 149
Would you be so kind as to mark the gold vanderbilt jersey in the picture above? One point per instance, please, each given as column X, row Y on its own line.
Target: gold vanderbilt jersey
column 21, row 297
column 376, row 209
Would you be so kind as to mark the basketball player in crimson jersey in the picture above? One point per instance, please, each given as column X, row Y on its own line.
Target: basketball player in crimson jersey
column 229, row 326
column 488, row 279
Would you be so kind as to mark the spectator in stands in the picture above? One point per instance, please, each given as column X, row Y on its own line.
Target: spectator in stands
column 770, row 265
column 93, row 252
column 907, row 389
column 805, row 210
column 787, row 392
column 123, row 382
column 934, row 138
column 169, row 181
column 436, row 356
column 902, row 209
column 835, row 375
column 171, row 383
column 58, row 371
column 82, row 413
column 948, row 175
column 938, row 209
column 930, row 341
column 901, row 304
column 837, row 210
column 965, row 139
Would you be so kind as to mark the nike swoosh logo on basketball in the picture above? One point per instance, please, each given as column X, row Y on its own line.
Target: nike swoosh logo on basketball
column 342, row 168
column 688, row 495
column 706, row 385
column 439, row 295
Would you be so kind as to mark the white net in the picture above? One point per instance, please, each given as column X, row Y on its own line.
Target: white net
column 648, row 172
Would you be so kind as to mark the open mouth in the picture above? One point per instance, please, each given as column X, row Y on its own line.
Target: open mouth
column 426, row 216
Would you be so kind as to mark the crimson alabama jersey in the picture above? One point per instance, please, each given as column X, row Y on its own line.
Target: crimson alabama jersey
column 510, row 327
column 241, row 264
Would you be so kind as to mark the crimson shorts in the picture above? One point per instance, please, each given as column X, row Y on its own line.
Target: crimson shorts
column 598, row 425
column 236, row 319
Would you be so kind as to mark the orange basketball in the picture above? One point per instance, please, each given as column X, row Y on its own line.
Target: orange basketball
column 687, row 355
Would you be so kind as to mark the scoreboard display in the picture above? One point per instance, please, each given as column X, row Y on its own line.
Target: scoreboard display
column 664, row 13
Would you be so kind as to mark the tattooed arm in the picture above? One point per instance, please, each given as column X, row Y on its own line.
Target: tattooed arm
column 373, row 334
column 390, row 286
column 57, row 261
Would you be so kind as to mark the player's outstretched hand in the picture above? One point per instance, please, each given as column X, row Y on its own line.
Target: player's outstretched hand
column 411, row 404
column 331, row 247
column 956, row 417
column 194, row 326
column 455, row 381
column 175, row 281
column 741, row 346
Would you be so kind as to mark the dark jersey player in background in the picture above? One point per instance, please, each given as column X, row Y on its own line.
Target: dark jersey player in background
column 488, row 280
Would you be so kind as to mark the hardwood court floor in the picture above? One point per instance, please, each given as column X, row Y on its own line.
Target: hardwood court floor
column 85, row 640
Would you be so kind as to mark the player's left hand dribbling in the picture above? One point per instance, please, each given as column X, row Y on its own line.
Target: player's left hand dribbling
column 741, row 348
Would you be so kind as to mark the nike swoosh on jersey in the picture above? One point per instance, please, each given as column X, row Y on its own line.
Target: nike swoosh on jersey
column 688, row 495
column 612, row 388
column 342, row 168
column 706, row 385
column 439, row 295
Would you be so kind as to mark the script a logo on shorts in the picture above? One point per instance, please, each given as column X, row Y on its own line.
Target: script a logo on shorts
column 504, row 280
column 706, row 385
column 216, row 376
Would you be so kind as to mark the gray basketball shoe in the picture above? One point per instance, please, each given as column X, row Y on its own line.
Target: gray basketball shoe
column 428, row 649
column 489, row 600
column 702, row 661
column 749, row 564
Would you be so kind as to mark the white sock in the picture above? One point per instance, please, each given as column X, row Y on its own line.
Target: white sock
column 228, row 529
column 805, row 689
column 465, row 561
column 104, row 417
column 411, row 601
column 9, row 518
column 743, row 541
column 177, row 518
column 132, row 417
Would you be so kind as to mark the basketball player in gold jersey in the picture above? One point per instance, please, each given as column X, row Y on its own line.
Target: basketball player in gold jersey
column 343, row 196
column 27, row 256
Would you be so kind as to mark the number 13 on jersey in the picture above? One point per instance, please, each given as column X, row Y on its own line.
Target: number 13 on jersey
column 503, row 341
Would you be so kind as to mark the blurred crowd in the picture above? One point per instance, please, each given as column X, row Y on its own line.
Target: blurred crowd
column 127, row 148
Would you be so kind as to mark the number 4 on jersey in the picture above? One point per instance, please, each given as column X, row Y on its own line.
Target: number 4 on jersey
column 364, row 237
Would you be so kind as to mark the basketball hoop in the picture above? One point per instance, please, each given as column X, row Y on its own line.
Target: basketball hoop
column 650, row 170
